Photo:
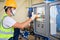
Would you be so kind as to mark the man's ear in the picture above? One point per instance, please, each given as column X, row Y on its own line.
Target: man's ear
column 9, row 10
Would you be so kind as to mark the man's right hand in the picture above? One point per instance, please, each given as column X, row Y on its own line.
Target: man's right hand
column 34, row 16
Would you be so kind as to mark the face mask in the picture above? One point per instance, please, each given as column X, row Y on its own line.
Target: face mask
column 13, row 12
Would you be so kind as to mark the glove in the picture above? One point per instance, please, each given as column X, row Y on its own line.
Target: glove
column 33, row 16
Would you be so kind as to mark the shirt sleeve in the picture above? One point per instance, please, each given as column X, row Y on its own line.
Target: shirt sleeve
column 8, row 22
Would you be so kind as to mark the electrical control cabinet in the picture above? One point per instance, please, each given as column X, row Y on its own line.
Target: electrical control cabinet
column 41, row 24
column 55, row 19
column 48, row 22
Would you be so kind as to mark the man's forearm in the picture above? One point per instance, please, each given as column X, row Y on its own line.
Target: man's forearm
column 27, row 22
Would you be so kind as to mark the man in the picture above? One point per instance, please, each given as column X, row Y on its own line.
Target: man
column 7, row 24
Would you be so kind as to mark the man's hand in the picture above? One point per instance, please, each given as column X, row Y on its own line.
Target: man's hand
column 34, row 16
column 37, row 16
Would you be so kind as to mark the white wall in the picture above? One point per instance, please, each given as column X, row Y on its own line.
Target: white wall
column 21, row 14
column 1, row 9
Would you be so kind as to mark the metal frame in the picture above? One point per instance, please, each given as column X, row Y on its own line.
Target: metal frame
column 47, row 16
column 52, row 4
column 38, row 5
column 46, row 37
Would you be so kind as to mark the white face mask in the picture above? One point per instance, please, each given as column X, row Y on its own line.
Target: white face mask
column 13, row 12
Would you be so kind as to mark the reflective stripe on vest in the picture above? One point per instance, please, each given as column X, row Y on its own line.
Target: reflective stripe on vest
column 5, row 36
column 4, row 32
column 1, row 32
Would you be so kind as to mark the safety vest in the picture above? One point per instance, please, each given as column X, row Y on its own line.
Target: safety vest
column 5, row 32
